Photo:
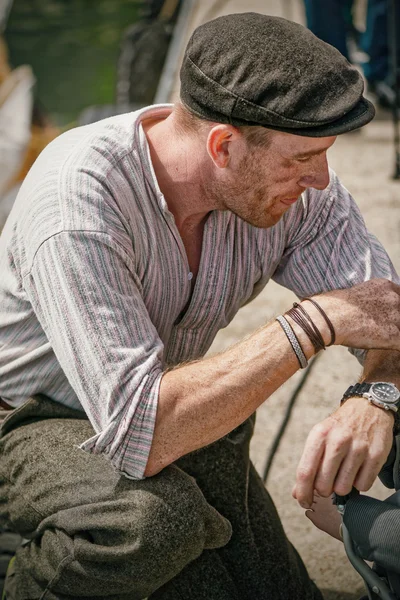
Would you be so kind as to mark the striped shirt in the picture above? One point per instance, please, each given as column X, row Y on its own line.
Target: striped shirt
column 95, row 279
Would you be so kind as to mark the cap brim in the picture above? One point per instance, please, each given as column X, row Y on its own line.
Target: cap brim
column 361, row 114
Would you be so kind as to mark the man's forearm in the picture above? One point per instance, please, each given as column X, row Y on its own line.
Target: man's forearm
column 202, row 401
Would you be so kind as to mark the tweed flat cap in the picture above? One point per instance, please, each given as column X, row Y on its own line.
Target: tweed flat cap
column 254, row 69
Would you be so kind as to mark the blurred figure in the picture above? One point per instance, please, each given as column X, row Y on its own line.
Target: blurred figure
column 331, row 21
column 375, row 42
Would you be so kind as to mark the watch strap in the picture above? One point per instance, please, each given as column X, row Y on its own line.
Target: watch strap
column 361, row 388
column 356, row 390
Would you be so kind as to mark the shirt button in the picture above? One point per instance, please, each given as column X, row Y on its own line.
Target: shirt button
column 190, row 276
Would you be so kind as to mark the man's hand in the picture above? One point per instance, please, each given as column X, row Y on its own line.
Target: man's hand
column 348, row 449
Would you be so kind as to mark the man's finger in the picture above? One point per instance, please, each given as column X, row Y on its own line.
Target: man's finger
column 369, row 472
column 308, row 466
column 330, row 466
column 349, row 469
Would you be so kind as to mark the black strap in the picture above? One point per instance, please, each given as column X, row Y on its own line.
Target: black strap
column 356, row 390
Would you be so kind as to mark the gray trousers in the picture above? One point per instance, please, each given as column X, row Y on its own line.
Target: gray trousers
column 204, row 528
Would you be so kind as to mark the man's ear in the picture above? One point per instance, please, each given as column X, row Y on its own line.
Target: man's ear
column 220, row 141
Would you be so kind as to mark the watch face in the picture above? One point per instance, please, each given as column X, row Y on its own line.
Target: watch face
column 386, row 392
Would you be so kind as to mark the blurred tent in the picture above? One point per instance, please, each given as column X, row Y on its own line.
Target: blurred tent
column 23, row 133
column 16, row 103
column 24, row 129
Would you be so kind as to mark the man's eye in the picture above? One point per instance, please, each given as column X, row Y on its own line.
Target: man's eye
column 305, row 159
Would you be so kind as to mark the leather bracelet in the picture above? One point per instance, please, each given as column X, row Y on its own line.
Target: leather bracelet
column 308, row 327
column 327, row 320
column 318, row 336
column 294, row 342
column 303, row 323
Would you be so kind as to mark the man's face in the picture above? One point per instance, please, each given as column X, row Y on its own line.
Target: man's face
column 266, row 182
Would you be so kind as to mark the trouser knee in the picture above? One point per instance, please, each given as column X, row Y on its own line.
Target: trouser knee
column 132, row 544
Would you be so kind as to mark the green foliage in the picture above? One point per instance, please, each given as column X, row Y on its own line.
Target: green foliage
column 72, row 46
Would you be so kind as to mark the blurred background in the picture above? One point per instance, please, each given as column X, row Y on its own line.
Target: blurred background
column 73, row 47
column 71, row 62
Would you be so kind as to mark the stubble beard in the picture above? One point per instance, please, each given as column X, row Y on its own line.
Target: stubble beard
column 244, row 195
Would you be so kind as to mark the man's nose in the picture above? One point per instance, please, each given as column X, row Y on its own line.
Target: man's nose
column 319, row 177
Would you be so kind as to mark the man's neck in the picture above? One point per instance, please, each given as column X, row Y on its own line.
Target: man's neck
column 182, row 169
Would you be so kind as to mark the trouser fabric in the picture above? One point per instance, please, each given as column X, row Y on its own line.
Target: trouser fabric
column 204, row 528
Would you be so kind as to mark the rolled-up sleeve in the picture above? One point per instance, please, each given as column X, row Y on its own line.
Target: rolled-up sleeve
column 329, row 247
column 87, row 297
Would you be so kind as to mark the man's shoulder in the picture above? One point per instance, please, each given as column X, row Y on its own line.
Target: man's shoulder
column 76, row 184
column 100, row 145
column 104, row 144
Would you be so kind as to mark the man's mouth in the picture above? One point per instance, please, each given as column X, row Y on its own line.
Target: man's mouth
column 289, row 201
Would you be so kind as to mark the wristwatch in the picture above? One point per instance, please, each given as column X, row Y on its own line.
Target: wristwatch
column 381, row 393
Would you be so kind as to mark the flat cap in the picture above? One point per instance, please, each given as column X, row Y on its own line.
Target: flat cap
column 254, row 69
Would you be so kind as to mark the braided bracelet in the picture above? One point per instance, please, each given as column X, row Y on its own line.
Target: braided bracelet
column 294, row 342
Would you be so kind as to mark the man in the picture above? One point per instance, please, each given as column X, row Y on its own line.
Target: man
column 125, row 461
